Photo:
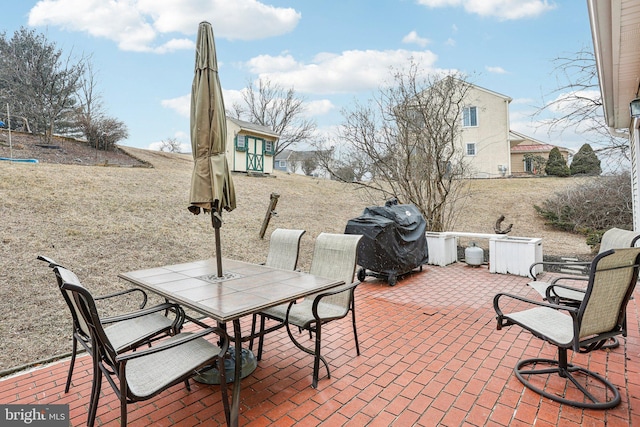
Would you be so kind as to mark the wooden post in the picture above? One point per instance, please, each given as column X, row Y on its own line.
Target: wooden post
column 270, row 211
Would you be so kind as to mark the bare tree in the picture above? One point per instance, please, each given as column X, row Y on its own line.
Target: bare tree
column 282, row 110
column 101, row 131
column 577, row 103
column 409, row 134
column 170, row 145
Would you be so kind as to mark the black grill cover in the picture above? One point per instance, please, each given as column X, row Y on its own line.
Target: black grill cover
column 393, row 238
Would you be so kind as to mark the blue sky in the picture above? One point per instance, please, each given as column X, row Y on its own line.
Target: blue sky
column 332, row 52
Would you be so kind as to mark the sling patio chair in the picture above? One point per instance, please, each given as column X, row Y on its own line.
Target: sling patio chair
column 599, row 316
column 126, row 331
column 284, row 250
column 144, row 373
column 615, row 238
column 334, row 256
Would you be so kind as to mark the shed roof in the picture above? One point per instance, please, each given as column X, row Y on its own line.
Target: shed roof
column 254, row 127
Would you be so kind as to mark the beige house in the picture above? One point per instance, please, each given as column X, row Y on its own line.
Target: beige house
column 522, row 145
column 491, row 149
column 250, row 147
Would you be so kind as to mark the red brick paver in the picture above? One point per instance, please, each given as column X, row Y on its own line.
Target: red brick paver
column 430, row 355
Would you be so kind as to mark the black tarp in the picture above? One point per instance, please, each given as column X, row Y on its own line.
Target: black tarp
column 393, row 239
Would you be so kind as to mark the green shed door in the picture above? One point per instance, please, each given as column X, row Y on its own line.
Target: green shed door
column 255, row 155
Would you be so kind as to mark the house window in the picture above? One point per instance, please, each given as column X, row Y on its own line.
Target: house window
column 282, row 164
column 241, row 143
column 471, row 149
column 470, row 117
column 528, row 165
column 269, row 147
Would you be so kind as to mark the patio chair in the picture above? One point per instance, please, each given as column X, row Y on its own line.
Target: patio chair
column 144, row 373
column 334, row 256
column 599, row 316
column 614, row 238
column 284, row 249
column 126, row 331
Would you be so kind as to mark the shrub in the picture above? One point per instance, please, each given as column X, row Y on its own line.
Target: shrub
column 556, row 164
column 585, row 162
column 591, row 207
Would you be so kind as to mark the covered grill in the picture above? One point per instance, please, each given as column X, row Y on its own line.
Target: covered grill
column 393, row 240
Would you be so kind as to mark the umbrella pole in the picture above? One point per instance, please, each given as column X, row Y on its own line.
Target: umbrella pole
column 216, row 221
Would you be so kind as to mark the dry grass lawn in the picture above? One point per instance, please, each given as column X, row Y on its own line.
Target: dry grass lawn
column 100, row 221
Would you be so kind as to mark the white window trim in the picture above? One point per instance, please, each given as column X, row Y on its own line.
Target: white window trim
column 466, row 149
column 477, row 118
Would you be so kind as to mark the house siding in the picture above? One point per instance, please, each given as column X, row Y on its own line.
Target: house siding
column 491, row 135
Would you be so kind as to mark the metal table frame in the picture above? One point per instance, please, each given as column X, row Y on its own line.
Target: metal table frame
column 243, row 290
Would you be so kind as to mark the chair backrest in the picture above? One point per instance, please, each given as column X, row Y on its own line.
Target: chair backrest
column 284, row 247
column 85, row 307
column 335, row 256
column 79, row 325
column 617, row 238
column 612, row 279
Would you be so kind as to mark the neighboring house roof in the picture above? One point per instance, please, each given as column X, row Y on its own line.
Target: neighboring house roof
column 530, row 148
column 284, row 155
column 531, row 145
column 508, row 98
column 253, row 127
column 297, row 155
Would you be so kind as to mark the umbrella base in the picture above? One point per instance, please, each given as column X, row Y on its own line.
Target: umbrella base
column 211, row 375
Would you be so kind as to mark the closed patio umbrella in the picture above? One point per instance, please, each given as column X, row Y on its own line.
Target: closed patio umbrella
column 211, row 185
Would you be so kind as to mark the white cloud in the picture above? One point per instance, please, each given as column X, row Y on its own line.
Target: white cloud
column 181, row 105
column 157, row 25
column 319, row 108
column 348, row 72
column 501, row 9
column 414, row 38
column 495, row 70
column 522, row 101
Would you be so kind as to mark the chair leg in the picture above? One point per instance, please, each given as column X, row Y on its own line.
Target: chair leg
column 95, row 394
column 71, row 364
column 355, row 333
column 565, row 370
column 316, row 353
column 316, row 358
column 261, row 337
column 223, row 390
column 254, row 319
column 123, row 403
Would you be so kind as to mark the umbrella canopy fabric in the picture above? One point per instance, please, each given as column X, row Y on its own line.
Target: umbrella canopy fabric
column 211, row 185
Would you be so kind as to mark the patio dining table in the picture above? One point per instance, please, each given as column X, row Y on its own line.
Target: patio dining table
column 243, row 289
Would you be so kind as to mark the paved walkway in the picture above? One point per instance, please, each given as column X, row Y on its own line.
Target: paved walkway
column 430, row 355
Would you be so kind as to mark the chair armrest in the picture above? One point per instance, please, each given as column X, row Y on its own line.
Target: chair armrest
column 559, row 263
column 501, row 317
column 180, row 314
column 552, row 293
column 350, row 287
column 224, row 344
column 125, row 292
column 576, row 278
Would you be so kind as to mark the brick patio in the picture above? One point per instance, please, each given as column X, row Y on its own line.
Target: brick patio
column 430, row 355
